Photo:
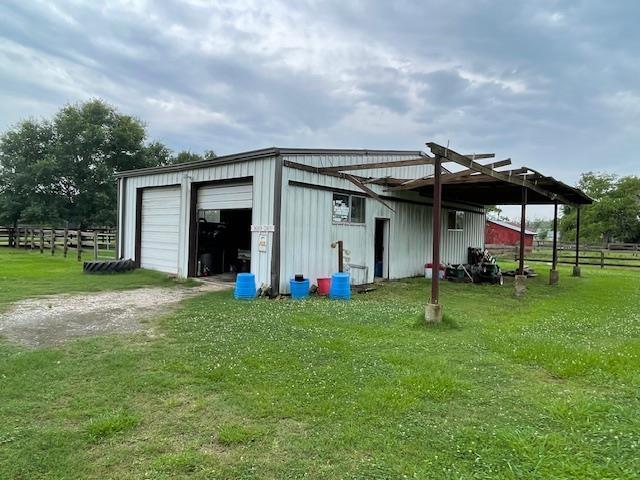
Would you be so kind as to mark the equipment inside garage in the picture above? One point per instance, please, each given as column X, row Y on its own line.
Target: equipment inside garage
column 224, row 242
column 223, row 235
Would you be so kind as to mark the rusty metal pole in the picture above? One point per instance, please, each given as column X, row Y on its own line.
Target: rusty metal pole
column 576, row 267
column 340, row 256
column 437, row 215
column 523, row 221
column 555, row 235
column 433, row 312
column 553, row 274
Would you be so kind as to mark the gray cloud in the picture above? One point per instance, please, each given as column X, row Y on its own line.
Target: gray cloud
column 552, row 84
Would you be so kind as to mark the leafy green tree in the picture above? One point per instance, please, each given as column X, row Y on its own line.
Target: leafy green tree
column 93, row 141
column 62, row 171
column 615, row 213
column 27, row 167
column 186, row 156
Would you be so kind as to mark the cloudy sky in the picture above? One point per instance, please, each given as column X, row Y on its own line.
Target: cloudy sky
column 551, row 84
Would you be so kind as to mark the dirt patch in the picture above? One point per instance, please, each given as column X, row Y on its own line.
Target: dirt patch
column 52, row 320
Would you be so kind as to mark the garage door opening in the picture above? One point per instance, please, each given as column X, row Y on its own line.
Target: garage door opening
column 223, row 243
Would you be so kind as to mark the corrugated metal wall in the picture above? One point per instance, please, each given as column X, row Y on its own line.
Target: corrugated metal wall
column 412, row 171
column 262, row 172
column 307, row 226
column 308, row 229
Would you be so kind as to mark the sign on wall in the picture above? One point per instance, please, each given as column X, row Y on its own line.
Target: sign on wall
column 262, row 242
column 263, row 228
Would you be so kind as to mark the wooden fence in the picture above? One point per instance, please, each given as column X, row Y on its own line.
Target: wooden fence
column 566, row 255
column 52, row 240
column 633, row 248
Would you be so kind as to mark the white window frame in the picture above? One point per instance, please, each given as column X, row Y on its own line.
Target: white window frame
column 351, row 196
column 458, row 214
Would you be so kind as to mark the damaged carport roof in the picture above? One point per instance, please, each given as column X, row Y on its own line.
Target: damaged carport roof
column 497, row 192
column 484, row 184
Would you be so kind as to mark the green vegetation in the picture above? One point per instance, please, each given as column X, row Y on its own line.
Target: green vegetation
column 61, row 171
column 614, row 215
column 29, row 274
column 541, row 387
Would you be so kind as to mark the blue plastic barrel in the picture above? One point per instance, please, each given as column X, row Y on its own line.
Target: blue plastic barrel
column 340, row 287
column 299, row 289
column 245, row 286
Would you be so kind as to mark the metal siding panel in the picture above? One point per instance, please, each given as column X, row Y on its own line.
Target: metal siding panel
column 261, row 170
column 160, row 229
column 308, row 230
column 225, row 197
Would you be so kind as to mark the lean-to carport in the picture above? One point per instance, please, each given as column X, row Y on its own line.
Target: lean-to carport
column 486, row 185
column 476, row 183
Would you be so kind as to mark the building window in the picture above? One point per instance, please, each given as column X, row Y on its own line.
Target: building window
column 348, row 208
column 455, row 220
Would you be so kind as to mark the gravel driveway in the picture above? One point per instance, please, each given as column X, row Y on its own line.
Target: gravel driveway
column 52, row 320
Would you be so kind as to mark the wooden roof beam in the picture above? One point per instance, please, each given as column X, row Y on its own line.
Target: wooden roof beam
column 445, row 177
column 480, row 156
column 358, row 183
column 516, row 180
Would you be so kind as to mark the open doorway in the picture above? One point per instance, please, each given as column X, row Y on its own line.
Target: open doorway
column 223, row 243
column 381, row 249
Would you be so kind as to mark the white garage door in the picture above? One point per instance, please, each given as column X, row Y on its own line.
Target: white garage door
column 160, row 229
column 225, row 197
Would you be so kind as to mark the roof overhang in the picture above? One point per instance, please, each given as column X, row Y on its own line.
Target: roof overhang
column 486, row 185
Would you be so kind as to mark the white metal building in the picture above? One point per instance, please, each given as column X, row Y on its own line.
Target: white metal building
column 276, row 212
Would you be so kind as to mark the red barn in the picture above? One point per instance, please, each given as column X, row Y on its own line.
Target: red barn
column 498, row 232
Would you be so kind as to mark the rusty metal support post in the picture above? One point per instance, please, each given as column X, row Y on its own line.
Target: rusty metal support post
column 553, row 273
column 437, row 217
column 340, row 256
column 554, row 261
column 433, row 311
column 576, row 267
column 523, row 221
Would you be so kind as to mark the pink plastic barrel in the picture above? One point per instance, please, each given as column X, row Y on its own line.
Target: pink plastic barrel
column 324, row 285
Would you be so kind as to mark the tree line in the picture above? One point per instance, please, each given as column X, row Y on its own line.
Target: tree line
column 61, row 171
column 614, row 215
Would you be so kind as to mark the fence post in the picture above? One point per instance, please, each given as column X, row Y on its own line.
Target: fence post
column 33, row 240
column 601, row 258
column 17, row 244
column 41, row 240
column 95, row 244
column 79, row 245
column 53, row 240
column 65, row 244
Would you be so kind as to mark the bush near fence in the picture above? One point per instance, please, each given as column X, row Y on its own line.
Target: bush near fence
column 59, row 240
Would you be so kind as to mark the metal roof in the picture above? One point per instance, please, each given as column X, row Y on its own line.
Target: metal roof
column 511, row 226
column 259, row 154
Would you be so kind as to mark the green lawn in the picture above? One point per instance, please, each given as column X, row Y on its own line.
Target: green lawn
column 542, row 387
column 28, row 274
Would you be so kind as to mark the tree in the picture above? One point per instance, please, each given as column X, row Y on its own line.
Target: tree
column 62, row 171
column 26, row 168
column 93, row 142
column 614, row 214
column 186, row 156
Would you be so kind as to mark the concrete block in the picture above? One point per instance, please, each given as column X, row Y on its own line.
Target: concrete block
column 554, row 276
column 521, row 285
column 433, row 313
column 576, row 271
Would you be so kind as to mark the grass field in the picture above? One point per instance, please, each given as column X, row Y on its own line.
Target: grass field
column 29, row 274
column 541, row 387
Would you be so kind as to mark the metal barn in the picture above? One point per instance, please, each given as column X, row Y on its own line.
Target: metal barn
column 278, row 212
